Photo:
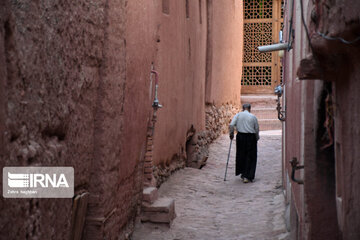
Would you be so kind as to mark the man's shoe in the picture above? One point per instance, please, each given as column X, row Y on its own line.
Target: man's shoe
column 245, row 180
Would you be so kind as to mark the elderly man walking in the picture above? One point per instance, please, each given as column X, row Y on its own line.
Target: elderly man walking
column 246, row 142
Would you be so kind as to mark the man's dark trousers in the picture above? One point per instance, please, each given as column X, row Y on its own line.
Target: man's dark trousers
column 246, row 155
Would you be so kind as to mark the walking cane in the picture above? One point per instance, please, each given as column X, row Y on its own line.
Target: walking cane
column 227, row 162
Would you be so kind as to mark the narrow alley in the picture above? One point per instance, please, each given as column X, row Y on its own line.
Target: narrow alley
column 209, row 208
column 114, row 117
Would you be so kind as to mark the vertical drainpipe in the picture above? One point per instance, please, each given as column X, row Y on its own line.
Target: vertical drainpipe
column 149, row 179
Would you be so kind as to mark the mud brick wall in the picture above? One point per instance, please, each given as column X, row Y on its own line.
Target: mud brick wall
column 196, row 68
column 200, row 65
column 321, row 123
column 74, row 79
column 194, row 152
column 75, row 91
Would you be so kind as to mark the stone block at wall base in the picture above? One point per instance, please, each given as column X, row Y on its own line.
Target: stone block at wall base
column 150, row 194
column 161, row 211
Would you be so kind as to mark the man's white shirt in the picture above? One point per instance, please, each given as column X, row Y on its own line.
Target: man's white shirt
column 245, row 122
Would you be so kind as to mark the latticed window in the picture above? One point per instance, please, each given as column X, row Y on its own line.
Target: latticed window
column 262, row 19
column 257, row 34
column 257, row 75
column 256, row 9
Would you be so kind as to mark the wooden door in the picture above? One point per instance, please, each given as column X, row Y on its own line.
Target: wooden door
column 262, row 23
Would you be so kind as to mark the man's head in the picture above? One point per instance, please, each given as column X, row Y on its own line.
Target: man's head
column 246, row 106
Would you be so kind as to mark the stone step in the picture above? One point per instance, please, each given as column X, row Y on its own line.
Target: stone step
column 161, row 211
column 259, row 100
column 270, row 124
column 150, row 194
column 265, row 113
column 263, row 106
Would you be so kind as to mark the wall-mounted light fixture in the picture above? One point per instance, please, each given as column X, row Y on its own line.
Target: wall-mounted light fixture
column 281, row 46
column 273, row 47
column 279, row 92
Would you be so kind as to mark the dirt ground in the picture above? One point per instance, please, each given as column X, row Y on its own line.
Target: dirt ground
column 209, row 208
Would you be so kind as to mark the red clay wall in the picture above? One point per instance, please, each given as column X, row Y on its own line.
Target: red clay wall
column 225, row 50
column 293, row 129
column 75, row 83
column 50, row 75
column 75, row 92
column 342, row 61
column 198, row 48
column 320, row 117
column 347, row 140
column 123, row 108
column 180, row 62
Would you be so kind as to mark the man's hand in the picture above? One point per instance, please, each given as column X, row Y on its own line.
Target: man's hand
column 231, row 135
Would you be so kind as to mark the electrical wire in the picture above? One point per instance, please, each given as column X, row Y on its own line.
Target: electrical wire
column 305, row 26
column 322, row 34
column 338, row 38
column 290, row 27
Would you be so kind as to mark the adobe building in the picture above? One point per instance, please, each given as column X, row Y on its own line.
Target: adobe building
column 262, row 72
column 199, row 59
column 77, row 90
column 321, row 130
